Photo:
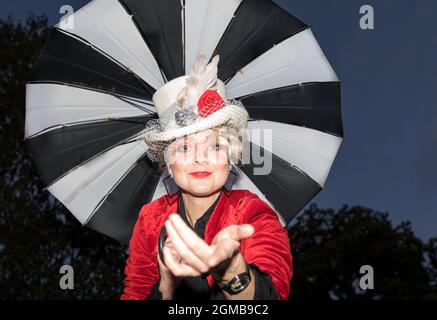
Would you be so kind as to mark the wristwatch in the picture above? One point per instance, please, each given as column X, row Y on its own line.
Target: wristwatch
column 237, row 283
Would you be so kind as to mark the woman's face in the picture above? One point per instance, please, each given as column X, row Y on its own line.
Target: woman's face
column 199, row 163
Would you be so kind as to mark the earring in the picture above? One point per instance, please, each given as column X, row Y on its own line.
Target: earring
column 232, row 177
column 170, row 186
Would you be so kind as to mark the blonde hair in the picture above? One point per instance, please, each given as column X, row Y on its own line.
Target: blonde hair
column 234, row 141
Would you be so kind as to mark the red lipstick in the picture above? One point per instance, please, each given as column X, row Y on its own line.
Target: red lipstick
column 200, row 174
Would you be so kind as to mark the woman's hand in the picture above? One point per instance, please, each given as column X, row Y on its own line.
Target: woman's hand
column 221, row 258
column 192, row 250
column 168, row 282
column 227, row 260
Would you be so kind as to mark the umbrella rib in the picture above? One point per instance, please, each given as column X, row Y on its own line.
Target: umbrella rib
column 102, row 200
column 148, row 102
column 85, row 88
column 69, row 124
column 136, row 105
column 135, row 190
column 284, row 189
column 154, row 189
column 183, row 33
column 92, row 141
column 289, row 165
column 284, row 141
column 124, row 98
column 124, row 48
column 125, row 141
column 166, row 44
column 269, row 74
column 144, row 37
column 127, row 121
column 250, row 35
column 97, row 73
column 95, row 48
column 285, row 87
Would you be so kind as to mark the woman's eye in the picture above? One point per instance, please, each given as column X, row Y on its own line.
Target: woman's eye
column 216, row 147
column 183, row 148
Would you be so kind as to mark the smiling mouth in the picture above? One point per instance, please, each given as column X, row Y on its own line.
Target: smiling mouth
column 200, row 174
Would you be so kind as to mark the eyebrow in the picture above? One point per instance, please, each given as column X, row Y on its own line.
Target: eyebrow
column 186, row 138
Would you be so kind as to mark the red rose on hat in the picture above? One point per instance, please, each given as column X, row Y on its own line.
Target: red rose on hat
column 209, row 102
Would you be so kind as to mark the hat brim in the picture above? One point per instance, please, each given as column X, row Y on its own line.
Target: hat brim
column 232, row 116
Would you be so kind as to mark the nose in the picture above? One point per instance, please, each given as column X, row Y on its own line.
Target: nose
column 201, row 154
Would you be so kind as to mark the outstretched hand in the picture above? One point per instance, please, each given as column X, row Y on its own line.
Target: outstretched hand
column 192, row 256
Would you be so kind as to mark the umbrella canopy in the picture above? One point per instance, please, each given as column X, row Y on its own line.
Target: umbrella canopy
column 91, row 97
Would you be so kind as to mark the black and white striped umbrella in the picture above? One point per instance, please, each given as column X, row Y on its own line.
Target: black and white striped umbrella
column 90, row 99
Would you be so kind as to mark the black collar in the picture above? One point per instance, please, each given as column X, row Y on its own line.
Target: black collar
column 203, row 220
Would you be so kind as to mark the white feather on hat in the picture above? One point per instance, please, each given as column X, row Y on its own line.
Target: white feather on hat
column 203, row 77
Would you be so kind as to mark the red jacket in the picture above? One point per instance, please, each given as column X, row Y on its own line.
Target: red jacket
column 268, row 247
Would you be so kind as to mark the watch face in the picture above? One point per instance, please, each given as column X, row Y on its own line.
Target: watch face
column 239, row 283
column 236, row 284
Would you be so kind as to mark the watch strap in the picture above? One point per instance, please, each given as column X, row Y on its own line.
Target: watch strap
column 237, row 283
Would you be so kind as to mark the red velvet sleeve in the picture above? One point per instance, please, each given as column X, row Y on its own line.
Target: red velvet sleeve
column 141, row 271
column 269, row 246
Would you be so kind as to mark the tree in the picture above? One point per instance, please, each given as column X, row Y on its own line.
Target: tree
column 431, row 265
column 330, row 247
column 37, row 234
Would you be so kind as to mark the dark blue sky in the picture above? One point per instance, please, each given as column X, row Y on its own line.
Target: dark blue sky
column 389, row 100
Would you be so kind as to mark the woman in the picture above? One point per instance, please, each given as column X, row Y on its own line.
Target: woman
column 221, row 243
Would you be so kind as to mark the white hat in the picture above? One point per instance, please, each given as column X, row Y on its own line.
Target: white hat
column 190, row 104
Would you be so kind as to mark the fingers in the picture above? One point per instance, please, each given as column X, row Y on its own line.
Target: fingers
column 177, row 268
column 198, row 257
column 184, row 252
column 190, row 238
column 240, row 232
column 227, row 242
column 224, row 250
column 167, row 243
